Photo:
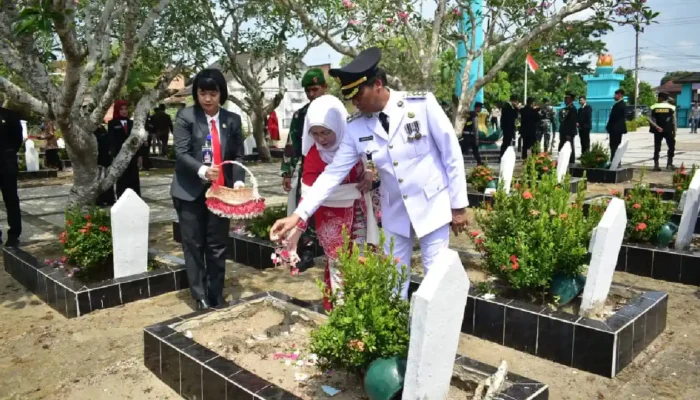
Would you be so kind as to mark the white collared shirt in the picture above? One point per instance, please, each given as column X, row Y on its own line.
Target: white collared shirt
column 203, row 169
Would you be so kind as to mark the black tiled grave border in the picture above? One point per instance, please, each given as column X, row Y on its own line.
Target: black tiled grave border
column 663, row 264
column 162, row 162
column 600, row 347
column 600, row 175
column 72, row 298
column 195, row 372
column 246, row 250
column 476, row 198
column 40, row 174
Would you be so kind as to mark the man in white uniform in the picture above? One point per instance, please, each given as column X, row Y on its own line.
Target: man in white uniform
column 417, row 156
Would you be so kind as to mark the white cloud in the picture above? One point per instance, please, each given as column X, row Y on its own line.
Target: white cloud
column 685, row 43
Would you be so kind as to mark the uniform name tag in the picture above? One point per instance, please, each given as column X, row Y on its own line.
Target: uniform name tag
column 366, row 139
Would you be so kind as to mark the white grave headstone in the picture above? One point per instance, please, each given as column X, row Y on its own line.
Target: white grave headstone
column 507, row 168
column 617, row 160
column 25, row 132
column 605, row 248
column 130, row 216
column 61, row 143
column 31, row 156
column 691, row 207
column 437, row 310
column 248, row 145
column 563, row 161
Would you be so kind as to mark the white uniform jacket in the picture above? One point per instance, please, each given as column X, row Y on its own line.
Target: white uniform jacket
column 419, row 161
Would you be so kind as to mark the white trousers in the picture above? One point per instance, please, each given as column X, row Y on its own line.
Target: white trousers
column 430, row 245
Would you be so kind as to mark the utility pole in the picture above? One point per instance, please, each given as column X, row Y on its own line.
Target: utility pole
column 636, row 63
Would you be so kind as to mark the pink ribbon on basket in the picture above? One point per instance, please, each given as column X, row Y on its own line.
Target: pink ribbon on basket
column 247, row 209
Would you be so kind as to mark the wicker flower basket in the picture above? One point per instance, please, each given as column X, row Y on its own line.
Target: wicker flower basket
column 240, row 203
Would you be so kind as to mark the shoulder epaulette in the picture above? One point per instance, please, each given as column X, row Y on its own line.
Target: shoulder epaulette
column 415, row 95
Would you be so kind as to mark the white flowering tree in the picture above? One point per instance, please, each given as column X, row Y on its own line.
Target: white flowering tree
column 97, row 42
column 253, row 40
column 349, row 26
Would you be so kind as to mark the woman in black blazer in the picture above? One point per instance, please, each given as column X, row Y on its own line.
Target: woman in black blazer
column 118, row 130
column 207, row 128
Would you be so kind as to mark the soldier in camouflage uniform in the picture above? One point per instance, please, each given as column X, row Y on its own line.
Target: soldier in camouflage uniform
column 547, row 124
column 314, row 84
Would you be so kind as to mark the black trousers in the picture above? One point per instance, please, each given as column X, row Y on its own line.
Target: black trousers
column 528, row 141
column 204, row 243
column 129, row 179
column 494, row 122
column 563, row 139
column 508, row 136
column 53, row 159
column 585, row 138
column 8, row 184
column 163, row 138
column 615, row 141
column 670, row 139
column 469, row 142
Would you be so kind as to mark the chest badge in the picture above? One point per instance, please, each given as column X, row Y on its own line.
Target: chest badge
column 223, row 126
column 400, row 103
column 366, row 139
column 411, row 114
column 413, row 130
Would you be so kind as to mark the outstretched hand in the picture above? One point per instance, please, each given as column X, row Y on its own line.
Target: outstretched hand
column 282, row 226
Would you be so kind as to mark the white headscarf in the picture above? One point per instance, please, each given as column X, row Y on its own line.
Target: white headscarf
column 329, row 112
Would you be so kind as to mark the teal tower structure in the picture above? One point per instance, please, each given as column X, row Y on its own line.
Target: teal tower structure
column 600, row 88
column 477, row 67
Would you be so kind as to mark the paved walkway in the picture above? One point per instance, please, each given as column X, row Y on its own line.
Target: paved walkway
column 42, row 207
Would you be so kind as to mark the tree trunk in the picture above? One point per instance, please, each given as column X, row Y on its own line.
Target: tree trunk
column 258, row 116
column 82, row 150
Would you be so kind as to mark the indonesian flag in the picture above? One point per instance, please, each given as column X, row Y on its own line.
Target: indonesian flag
column 531, row 63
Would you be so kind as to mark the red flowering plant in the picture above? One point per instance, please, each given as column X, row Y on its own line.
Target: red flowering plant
column 646, row 210
column 370, row 320
column 87, row 240
column 681, row 180
column 480, row 177
column 535, row 232
column 543, row 161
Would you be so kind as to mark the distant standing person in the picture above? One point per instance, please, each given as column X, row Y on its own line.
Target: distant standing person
column 617, row 125
column 53, row 160
column 569, row 120
column 529, row 121
column 509, row 115
column 664, row 127
column 495, row 116
column 694, row 118
column 585, row 123
column 118, row 130
column 10, row 142
column 470, row 134
column 547, row 124
column 162, row 126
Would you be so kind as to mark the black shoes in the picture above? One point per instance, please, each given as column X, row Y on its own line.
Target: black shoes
column 202, row 305
column 656, row 168
column 12, row 242
column 670, row 167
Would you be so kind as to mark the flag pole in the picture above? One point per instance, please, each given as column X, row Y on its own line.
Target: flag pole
column 527, row 67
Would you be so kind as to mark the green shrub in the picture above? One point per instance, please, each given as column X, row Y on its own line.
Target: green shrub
column 371, row 320
column 87, row 240
column 535, row 232
column 631, row 126
column 479, row 177
column 260, row 226
column 642, row 121
column 595, row 157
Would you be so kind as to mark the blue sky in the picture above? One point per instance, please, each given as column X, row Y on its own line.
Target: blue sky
column 672, row 44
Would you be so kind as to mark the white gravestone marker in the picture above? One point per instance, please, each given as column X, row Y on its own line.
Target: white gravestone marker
column 691, row 207
column 31, row 156
column 605, row 248
column 506, row 169
column 617, row 160
column 437, row 310
column 248, row 145
column 130, row 216
column 563, row 161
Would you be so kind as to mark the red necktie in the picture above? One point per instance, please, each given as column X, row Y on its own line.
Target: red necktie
column 216, row 149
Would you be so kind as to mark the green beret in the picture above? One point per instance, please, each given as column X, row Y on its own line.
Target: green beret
column 314, row 76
